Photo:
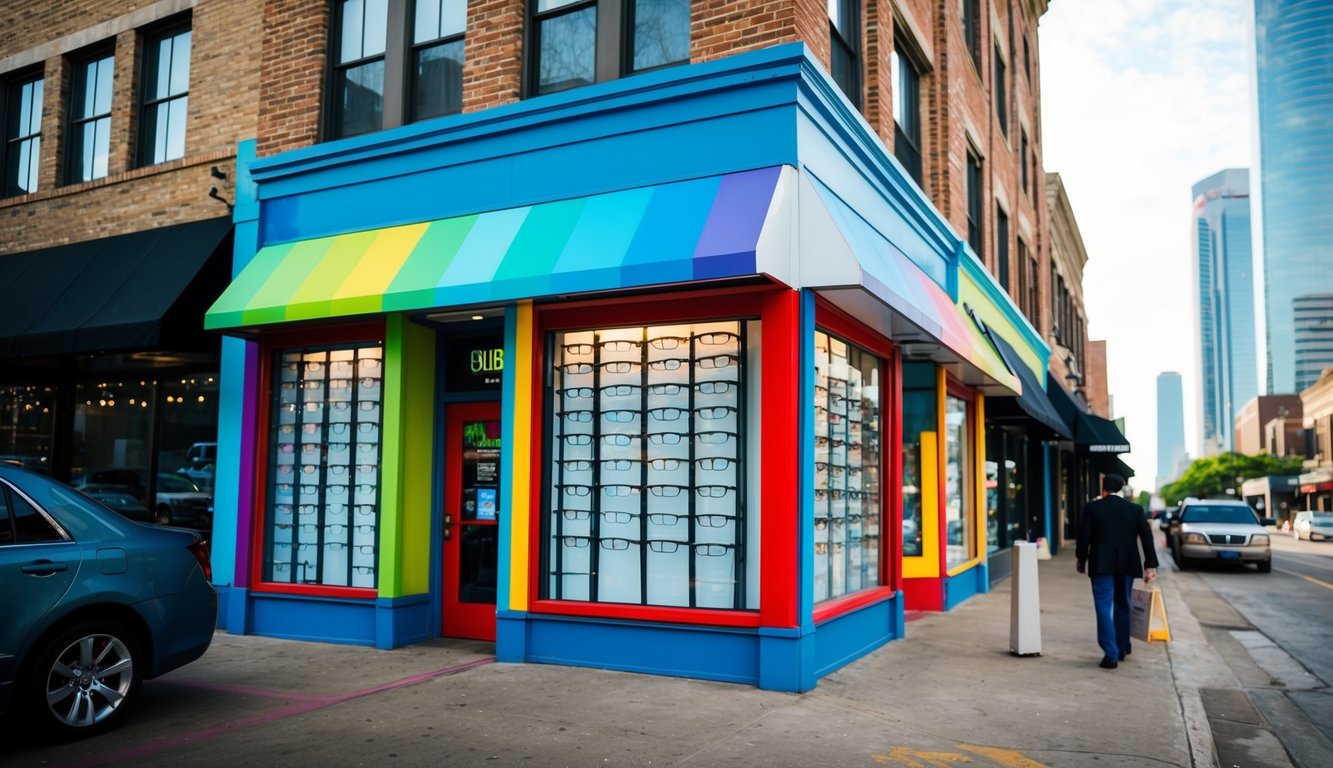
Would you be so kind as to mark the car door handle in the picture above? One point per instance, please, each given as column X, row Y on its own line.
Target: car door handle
column 44, row 568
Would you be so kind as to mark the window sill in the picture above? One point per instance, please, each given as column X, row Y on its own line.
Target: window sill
column 64, row 190
column 848, row 603
column 314, row 590
column 648, row 613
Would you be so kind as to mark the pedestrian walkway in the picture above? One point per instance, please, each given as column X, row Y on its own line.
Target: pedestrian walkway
column 948, row 693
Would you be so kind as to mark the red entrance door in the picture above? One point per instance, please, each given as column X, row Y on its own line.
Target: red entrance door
column 471, row 514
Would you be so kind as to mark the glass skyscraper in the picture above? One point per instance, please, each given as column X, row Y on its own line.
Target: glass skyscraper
column 1170, row 428
column 1294, row 74
column 1224, row 285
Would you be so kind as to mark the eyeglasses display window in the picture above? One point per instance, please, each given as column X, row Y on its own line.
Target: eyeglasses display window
column 322, row 521
column 960, row 540
column 847, row 468
column 647, row 474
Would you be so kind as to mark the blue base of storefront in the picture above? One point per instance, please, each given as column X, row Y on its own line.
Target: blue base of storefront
column 960, row 587
column 770, row 658
column 383, row 623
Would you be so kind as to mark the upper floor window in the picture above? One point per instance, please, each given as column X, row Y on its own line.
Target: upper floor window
column 972, row 30
column 579, row 42
column 90, row 119
column 906, row 113
column 358, row 74
column 974, row 203
column 437, row 57
column 1002, row 248
column 166, row 95
column 661, row 33
column 23, row 135
column 1023, row 158
column 845, row 47
column 395, row 61
column 1001, row 97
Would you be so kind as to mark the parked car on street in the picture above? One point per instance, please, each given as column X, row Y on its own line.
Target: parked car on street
column 178, row 500
column 1312, row 525
column 201, row 465
column 120, row 501
column 1219, row 531
column 93, row 604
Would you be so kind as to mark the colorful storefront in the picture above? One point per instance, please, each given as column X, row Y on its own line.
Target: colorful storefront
column 639, row 376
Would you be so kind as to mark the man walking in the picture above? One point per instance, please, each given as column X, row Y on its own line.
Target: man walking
column 1108, row 551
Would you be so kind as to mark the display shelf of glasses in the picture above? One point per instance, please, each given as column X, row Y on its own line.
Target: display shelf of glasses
column 324, row 467
column 847, row 482
column 646, row 498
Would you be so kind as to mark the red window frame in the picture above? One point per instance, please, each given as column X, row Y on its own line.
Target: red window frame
column 329, row 335
column 776, row 309
column 834, row 321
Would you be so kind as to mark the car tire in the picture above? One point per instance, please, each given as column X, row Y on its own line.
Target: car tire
column 162, row 516
column 1181, row 562
column 86, row 678
column 1265, row 566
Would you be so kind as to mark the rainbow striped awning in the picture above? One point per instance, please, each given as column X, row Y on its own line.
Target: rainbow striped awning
column 671, row 233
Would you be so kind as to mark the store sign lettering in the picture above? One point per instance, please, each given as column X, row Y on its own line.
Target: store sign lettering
column 488, row 360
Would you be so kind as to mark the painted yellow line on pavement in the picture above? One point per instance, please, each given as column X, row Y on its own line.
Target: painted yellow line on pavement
column 1310, row 579
column 1008, row 758
column 916, row 758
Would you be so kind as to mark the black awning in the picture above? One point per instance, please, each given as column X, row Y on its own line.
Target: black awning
column 139, row 291
column 1110, row 464
column 1032, row 403
column 1092, row 432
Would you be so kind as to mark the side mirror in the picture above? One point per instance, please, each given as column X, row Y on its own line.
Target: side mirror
column 1268, row 521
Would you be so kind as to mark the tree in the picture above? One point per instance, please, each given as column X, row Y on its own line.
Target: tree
column 1222, row 475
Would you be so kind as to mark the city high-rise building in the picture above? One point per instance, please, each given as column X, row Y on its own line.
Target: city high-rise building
column 1294, row 75
column 1314, row 337
column 1224, row 285
column 1170, row 426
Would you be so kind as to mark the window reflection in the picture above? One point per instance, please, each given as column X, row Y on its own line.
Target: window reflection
column 568, row 50
column 661, row 33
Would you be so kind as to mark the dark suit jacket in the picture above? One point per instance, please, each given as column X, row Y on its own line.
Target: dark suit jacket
column 1109, row 537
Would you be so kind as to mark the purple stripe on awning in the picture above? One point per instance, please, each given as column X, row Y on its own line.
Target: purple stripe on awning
column 726, row 247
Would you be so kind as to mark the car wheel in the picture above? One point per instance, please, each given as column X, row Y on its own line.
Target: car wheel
column 86, row 678
column 163, row 516
column 1265, row 566
column 1181, row 562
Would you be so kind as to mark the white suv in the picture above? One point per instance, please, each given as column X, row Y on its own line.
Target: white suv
column 1220, row 531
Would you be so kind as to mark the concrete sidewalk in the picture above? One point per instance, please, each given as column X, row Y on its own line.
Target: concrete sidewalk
column 948, row 693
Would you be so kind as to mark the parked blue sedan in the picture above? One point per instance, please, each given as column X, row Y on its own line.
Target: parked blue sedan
column 91, row 605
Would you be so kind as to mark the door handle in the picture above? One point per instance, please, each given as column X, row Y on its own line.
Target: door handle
column 44, row 568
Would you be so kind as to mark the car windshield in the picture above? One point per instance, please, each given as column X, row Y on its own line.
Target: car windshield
column 1218, row 514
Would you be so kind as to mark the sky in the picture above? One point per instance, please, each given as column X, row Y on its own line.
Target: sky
column 1141, row 99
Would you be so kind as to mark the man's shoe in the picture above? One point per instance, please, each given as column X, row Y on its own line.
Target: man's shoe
column 1123, row 655
column 1108, row 663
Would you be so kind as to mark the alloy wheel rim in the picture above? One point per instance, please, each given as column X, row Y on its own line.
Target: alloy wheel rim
column 89, row 680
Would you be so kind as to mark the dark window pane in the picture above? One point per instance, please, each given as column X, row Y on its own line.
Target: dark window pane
column 438, row 89
column 661, row 33
column 361, row 99
column 29, row 525
column 906, row 114
column 568, row 50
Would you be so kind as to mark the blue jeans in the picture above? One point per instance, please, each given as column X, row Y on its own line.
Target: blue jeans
column 1110, row 598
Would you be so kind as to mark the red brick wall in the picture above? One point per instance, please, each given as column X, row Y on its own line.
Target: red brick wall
column 294, row 59
column 493, row 53
column 223, row 110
